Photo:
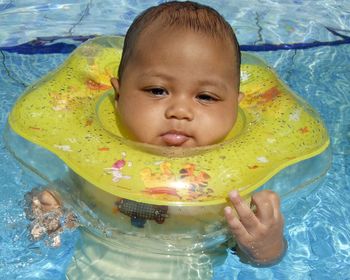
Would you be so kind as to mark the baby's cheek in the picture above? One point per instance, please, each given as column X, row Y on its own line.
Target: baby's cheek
column 142, row 132
column 217, row 132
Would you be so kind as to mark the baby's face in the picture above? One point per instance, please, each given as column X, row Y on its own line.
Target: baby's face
column 179, row 88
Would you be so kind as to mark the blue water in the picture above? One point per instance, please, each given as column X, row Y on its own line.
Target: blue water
column 317, row 226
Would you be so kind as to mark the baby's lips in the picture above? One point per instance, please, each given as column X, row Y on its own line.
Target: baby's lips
column 174, row 138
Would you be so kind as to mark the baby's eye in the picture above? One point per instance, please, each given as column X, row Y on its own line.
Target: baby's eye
column 207, row 97
column 157, row 91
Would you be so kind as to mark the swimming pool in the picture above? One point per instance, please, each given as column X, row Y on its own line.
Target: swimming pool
column 315, row 63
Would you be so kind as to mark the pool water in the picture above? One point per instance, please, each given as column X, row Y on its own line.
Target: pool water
column 307, row 43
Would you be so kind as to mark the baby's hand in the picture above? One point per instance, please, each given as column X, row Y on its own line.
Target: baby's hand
column 259, row 234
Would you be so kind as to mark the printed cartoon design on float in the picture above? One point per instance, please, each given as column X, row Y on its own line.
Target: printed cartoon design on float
column 186, row 184
column 116, row 169
column 71, row 113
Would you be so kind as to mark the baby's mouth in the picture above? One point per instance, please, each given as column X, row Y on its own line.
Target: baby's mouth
column 175, row 138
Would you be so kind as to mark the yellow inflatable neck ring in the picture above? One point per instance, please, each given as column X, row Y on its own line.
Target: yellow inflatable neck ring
column 70, row 112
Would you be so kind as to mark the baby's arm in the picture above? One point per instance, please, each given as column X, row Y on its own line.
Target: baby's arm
column 259, row 234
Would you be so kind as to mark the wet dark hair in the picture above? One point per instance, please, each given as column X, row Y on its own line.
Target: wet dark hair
column 190, row 15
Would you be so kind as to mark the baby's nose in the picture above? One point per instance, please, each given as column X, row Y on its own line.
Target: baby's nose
column 179, row 109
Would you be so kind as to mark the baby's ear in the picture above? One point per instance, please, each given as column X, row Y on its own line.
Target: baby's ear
column 115, row 85
column 240, row 97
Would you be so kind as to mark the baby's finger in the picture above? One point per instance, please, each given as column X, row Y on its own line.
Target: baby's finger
column 268, row 197
column 263, row 208
column 236, row 227
column 276, row 204
column 246, row 215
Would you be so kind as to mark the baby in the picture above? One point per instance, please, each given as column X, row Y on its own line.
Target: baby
column 178, row 85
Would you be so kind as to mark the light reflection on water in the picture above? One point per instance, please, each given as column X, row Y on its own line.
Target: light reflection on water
column 287, row 21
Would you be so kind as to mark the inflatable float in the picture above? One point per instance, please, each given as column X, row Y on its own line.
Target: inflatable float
column 167, row 200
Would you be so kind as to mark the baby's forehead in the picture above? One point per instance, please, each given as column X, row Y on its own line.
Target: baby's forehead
column 154, row 41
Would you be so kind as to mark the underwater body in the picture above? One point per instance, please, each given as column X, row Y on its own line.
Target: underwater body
column 308, row 219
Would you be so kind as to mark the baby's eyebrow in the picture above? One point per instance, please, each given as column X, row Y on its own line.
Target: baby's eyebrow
column 204, row 82
column 213, row 82
column 153, row 74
